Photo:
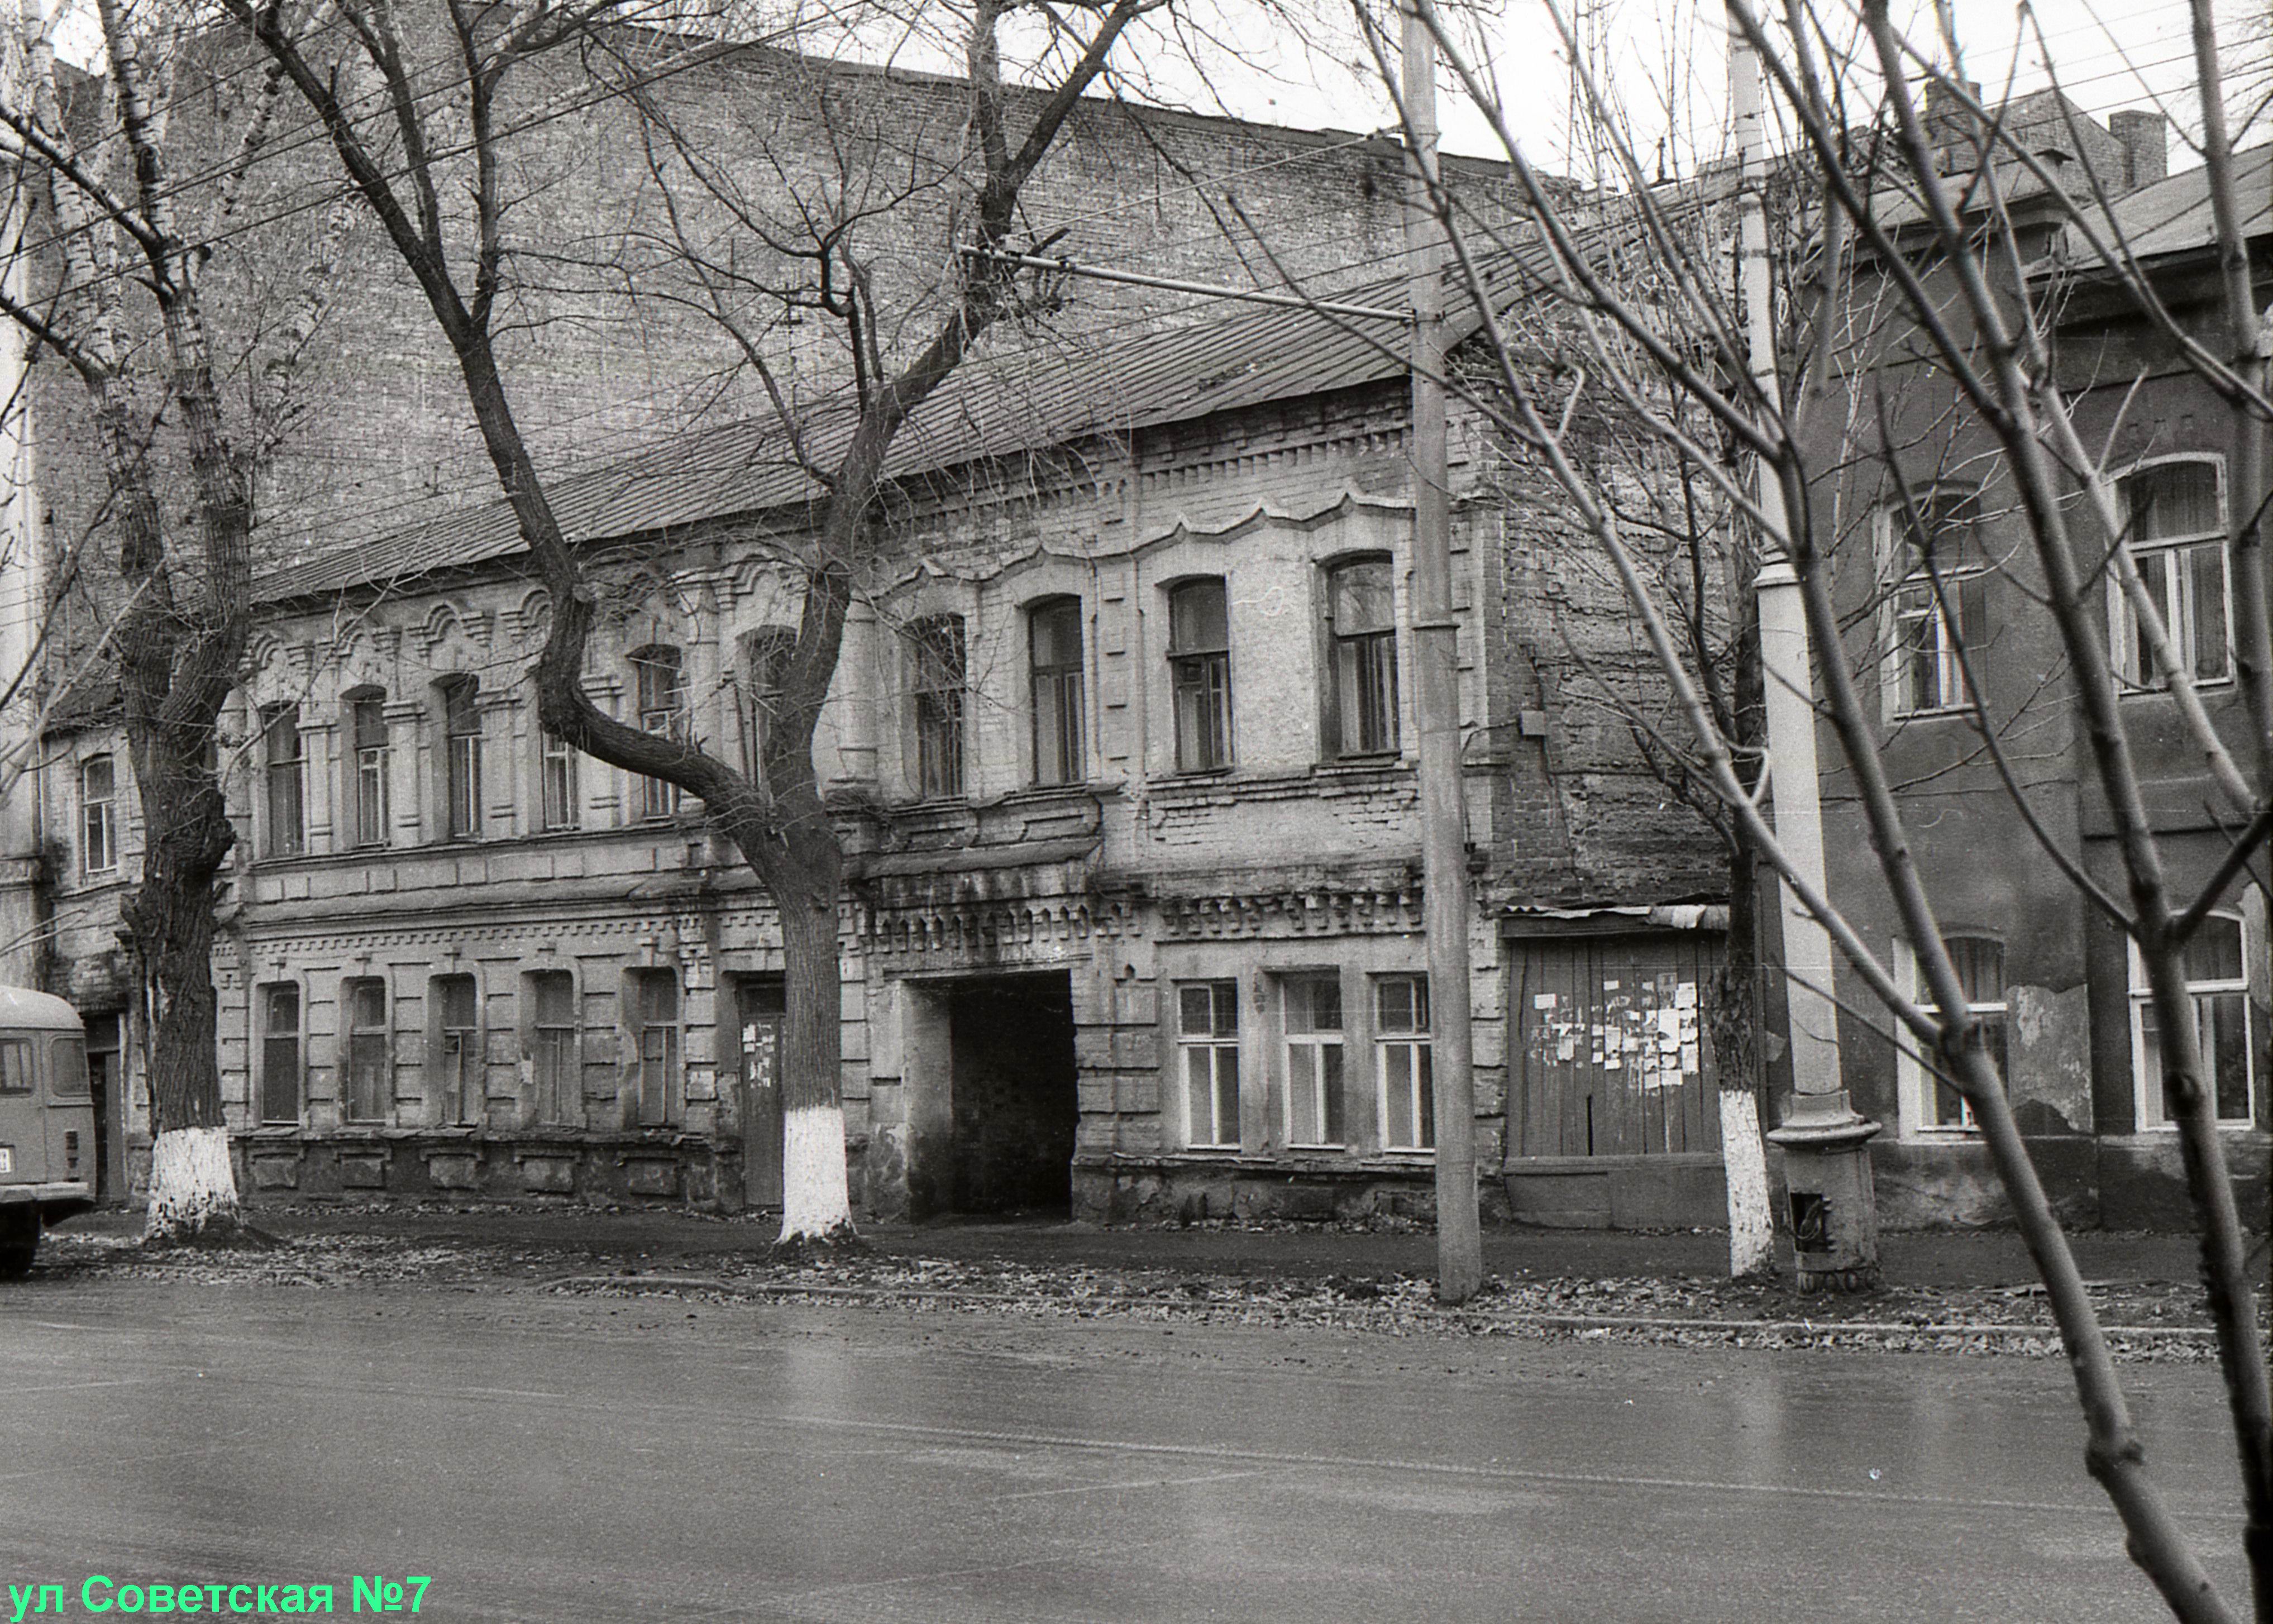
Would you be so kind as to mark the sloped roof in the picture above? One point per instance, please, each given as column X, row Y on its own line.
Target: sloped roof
column 1004, row 400
column 2174, row 215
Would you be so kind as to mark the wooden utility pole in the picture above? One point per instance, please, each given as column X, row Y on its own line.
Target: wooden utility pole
column 1436, row 636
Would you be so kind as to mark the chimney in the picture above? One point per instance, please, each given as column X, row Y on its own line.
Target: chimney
column 1951, row 126
column 2146, row 139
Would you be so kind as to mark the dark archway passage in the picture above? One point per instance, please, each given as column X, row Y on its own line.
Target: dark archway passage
column 1013, row 1100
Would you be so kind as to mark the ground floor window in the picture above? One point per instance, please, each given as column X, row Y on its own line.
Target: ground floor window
column 369, row 1088
column 555, row 1074
column 1313, row 1005
column 2215, row 962
column 653, row 1072
column 1401, row 1063
column 457, row 1070
column 1207, row 1036
column 279, row 1003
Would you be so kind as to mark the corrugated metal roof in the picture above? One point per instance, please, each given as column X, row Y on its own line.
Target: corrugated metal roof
column 1001, row 401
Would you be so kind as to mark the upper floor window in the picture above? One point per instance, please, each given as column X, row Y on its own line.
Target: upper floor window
column 1402, row 1063
column 1361, row 688
column 461, row 728
column 1940, row 601
column 765, row 667
column 1199, row 673
column 556, row 780
column 2216, row 963
column 2174, row 517
column 936, row 649
column 368, row 769
column 1313, row 1007
column 660, row 680
column 1054, row 681
column 98, row 815
column 284, row 774
column 1207, row 1039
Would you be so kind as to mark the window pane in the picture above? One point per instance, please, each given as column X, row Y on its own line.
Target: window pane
column 1330, row 1061
column 2172, row 499
column 1199, row 1095
column 1197, row 622
column 2214, row 952
column 1226, row 1094
column 1425, row 1106
column 1314, row 1004
column 2226, row 1051
column 1054, row 631
column 1396, row 1090
column 1359, row 598
column 1196, row 1009
column 1302, row 1125
column 1980, row 966
column 68, row 1055
column 2205, row 595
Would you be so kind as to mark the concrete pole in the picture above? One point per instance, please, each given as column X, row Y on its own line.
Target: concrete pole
column 22, row 595
column 1436, row 636
column 1826, row 1167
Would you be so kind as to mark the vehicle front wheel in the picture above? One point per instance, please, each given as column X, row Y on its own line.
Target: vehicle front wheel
column 20, row 1240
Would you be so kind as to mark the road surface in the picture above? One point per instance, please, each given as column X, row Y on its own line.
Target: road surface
column 565, row 1459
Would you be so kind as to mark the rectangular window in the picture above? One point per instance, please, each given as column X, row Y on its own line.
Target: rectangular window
column 278, row 1004
column 15, row 1066
column 766, row 656
column 556, row 1068
column 456, row 1074
column 368, row 762
column 2175, row 521
column 1980, row 965
column 1199, row 674
column 1314, row 1060
column 1054, row 666
column 285, row 774
column 655, row 1040
column 462, row 727
column 660, row 680
column 98, row 806
column 557, row 774
column 2216, row 968
column 1402, row 1065
column 1940, row 604
column 368, row 1060
column 1207, row 1038
column 1361, row 624
column 936, row 647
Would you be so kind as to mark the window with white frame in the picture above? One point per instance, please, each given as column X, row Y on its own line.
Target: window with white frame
column 655, row 1076
column 1930, row 1100
column 2216, row 963
column 938, row 660
column 370, row 1092
column 284, row 774
column 1361, row 695
column 1207, row 1041
column 1199, row 674
column 98, row 815
column 1401, row 1063
column 557, row 779
column 1939, row 603
column 2174, row 518
column 367, row 766
column 1053, row 690
column 659, row 678
column 456, row 1073
column 556, row 1071
column 278, row 1004
column 461, row 763
column 1312, row 1008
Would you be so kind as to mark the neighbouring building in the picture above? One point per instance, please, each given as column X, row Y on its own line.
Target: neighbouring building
column 2057, row 978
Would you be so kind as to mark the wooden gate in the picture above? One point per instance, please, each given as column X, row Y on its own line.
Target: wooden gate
column 1611, row 1052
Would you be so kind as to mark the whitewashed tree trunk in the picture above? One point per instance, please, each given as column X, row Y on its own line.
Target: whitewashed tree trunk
column 192, row 1186
column 816, row 1198
column 1744, row 1160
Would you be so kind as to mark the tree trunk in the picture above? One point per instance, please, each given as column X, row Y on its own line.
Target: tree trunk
column 816, row 1198
column 1737, row 1002
column 192, row 1191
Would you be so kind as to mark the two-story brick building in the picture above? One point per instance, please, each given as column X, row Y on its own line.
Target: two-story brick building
column 1122, row 748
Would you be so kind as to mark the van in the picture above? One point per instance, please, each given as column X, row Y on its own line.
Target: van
column 47, row 1122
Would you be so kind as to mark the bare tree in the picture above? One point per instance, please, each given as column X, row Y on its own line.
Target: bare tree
column 428, row 161
column 113, row 263
column 1944, row 250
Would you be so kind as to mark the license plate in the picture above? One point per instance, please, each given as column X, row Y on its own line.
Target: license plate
column 7, row 1158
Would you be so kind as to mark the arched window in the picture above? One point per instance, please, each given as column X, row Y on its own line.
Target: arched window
column 659, row 678
column 461, row 728
column 2174, row 518
column 1362, row 634
column 98, row 815
column 284, row 775
column 1199, row 673
column 368, row 767
column 1054, row 666
column 764, row 667
column 937, row 657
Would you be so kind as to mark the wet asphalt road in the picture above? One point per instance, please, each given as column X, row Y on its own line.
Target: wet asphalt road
column 570, row 1459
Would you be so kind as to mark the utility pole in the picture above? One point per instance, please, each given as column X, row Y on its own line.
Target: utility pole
column 1826, row 1160
column 1436, row 636
column 22, row 579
